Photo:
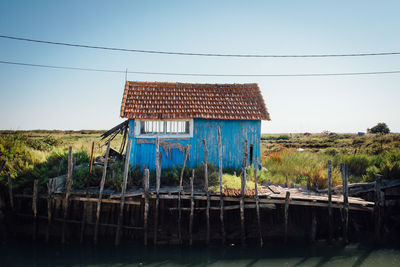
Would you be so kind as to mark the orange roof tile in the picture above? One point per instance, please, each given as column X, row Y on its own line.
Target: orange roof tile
column 161, row 100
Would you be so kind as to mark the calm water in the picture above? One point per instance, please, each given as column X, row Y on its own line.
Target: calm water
column 38, row 254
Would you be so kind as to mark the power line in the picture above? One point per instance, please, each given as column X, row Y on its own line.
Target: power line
column 198, row 54
column 202, row 74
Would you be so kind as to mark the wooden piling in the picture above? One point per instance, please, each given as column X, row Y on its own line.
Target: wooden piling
column 286, row 214
column 313, row 234
column 257, row 203
column 207, row 192
column 49, row 207
column 330, row 223
column 377, row 207
column 180, row 194
column 158, row 181
column 345, row 203
column 85, row 204
column 191, row 209
column 124, row 182
column 10, row 192
column 146, row 202
column 103, row 180
column 34, row 206
column 68, row 185
column 243, row 194
column 221, row 215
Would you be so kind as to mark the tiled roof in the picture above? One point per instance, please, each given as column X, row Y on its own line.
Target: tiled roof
column 160, row 100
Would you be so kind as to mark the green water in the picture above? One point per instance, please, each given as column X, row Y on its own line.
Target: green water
column 38, row 254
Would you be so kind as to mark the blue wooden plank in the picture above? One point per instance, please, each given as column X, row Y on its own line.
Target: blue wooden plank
column 233, row 135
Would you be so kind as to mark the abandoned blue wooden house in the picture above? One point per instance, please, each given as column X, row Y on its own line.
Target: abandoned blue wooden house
column 182, row 113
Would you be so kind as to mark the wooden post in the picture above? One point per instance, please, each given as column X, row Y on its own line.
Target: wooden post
column 308, row 184
column 345, row 202
column 180, row 193
column 34, row 206
column 313, row 225
column 257, row 203
column 377, row 207
column 146, row 203
column 158, row 181
column 221, row 194
column 243, row 193
column 287, row 182
column 103, row 180
column 287, row 200
column 85, row 204
column 207, row 192
column 124, row 182
column 330, row 223
column 68, row 184
column 191, row 209
column 10, row 192
column 49, row 207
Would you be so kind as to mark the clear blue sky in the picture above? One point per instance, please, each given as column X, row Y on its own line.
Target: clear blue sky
column 35, row 98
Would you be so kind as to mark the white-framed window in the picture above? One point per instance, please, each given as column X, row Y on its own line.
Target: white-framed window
column 163, row 128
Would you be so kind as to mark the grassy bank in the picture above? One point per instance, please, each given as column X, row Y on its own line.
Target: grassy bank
column 30, row 155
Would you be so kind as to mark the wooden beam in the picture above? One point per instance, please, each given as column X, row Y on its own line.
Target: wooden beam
column 377, row 208
column 221, row 201
column 68, row 185
column 122, row 205
column 100, row 199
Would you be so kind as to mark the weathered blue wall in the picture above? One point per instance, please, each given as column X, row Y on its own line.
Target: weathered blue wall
column 233, row 136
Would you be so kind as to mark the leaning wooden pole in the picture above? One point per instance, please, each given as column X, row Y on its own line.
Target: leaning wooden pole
column 146, row 203
column 34, row 206
column 158, row 181
column 221, row 193
column 191, row 209
column 207, row 192
column 180, row 194
column 10, row 192
column 243, row 193
column 85, row 204
column 287, row 200
column 49, row 207
column 123, row 192
column 257, row 203
column 330, row 223
column 103, row 180
column 377, row 207
column 345, row 203
column 68, row 185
